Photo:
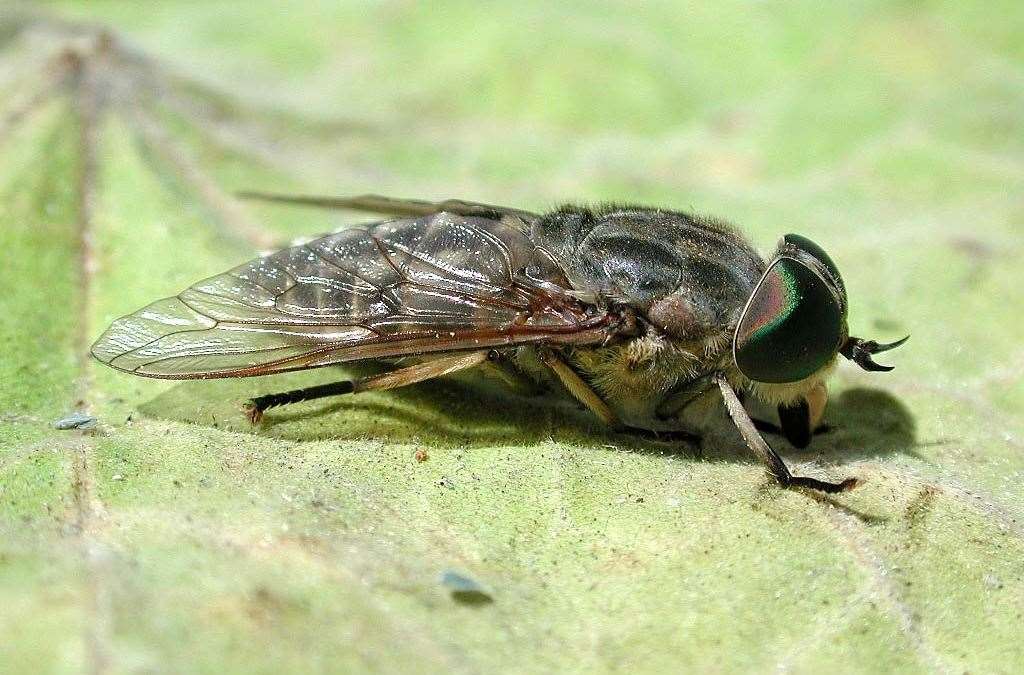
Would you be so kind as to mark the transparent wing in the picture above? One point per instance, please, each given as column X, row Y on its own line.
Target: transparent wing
column 441, row 282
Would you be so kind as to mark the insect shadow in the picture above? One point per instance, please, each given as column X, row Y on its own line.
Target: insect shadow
column 455, row 411
column 473, row 411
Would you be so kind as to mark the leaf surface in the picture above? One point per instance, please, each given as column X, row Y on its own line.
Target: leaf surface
column 176, row 537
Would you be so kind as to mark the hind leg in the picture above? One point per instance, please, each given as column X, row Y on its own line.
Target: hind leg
column 401, row 377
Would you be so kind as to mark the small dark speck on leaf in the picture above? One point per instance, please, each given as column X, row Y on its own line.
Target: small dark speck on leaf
column 76, row 420
column 978, row 253
column 975, row 249
column 446, row 482
column 465, row 590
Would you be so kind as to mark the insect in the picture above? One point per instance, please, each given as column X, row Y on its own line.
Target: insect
column 643, row 315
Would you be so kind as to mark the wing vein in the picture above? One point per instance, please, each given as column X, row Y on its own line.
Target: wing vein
column 418, row 286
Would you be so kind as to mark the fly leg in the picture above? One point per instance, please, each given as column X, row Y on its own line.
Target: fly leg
column 580, row 390
column 586, row 395
column 401, row 377
column 761, row 448
column 254, row 408
column 679, row 399
column 682, row 395
column 497, row 367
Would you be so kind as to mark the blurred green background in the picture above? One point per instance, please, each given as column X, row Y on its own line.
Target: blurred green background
column 173, row 537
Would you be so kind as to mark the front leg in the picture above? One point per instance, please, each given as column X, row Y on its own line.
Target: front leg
column 761, row 448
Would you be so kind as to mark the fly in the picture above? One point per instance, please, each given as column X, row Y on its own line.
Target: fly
column 643, row 315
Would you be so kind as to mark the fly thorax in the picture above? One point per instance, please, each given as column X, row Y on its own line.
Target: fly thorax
column 688, row 317
column 675, row 316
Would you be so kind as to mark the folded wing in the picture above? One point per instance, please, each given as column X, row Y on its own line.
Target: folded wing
column 438, row 283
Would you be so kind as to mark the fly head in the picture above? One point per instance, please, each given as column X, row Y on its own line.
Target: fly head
column 794, row 323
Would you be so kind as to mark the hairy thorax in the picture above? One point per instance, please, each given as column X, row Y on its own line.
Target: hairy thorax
column 638, row 378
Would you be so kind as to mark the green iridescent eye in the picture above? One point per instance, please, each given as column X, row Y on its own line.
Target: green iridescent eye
column 792, row 324
column 805, row 245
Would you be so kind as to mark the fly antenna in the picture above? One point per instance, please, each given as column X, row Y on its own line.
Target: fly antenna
column 859, row 351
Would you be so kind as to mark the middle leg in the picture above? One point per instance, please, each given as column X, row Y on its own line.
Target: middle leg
column 586, row 395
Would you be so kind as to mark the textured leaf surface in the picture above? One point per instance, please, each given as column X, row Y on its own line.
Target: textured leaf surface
column 173, row 537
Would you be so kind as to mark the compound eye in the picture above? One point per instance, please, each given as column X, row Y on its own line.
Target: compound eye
column 791, row 327
column 809, row 247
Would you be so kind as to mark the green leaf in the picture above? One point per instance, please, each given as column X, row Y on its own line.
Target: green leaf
column 173, row 536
